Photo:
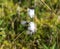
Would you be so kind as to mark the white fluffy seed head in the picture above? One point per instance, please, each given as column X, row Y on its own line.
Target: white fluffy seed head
column 32, row 28
column 31, row 12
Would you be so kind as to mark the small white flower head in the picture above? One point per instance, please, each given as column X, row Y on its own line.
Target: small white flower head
column 31, row 12
column 32, row 28
column 23, row 22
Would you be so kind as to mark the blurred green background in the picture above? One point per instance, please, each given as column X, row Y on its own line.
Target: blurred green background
column 13, row 33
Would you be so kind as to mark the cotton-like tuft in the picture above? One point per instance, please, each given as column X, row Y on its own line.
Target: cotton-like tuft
column 31, row 12
column 32, row 28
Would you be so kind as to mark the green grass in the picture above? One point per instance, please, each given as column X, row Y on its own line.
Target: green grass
column 13, row 33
